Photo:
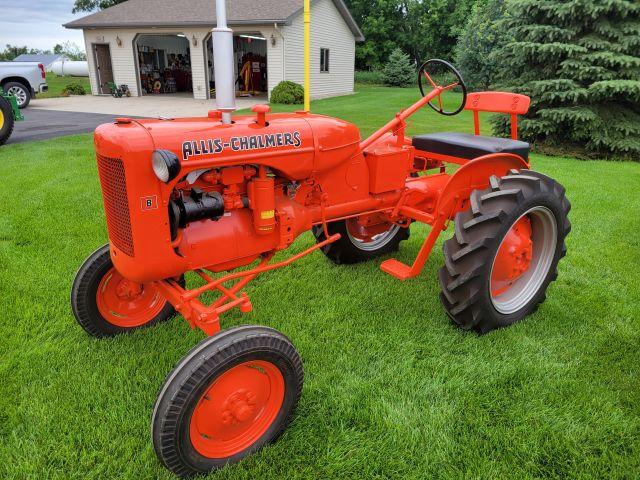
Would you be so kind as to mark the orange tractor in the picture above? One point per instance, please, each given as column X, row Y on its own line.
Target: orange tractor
column 219, row 197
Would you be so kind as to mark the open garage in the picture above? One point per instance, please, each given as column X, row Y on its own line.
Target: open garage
column 164, row 64
column 250, row 65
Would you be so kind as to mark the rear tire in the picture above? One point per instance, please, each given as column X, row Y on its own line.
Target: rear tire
column 348, row 249
column 95, row 306
column 468, row 294
column 227, row 398
column 7, row 121
column 20, row 91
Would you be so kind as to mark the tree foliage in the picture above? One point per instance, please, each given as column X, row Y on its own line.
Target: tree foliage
column 579, row 61
column 422, row 28
column 69, row 50
column 475, row 52
column 12, row 51
column 91, row 5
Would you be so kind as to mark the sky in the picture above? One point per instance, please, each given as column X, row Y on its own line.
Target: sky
column 38, row 23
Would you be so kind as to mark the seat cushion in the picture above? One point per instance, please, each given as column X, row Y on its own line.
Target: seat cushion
column 464, row 145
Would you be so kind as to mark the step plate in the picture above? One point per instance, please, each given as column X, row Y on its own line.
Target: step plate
column 397, row 269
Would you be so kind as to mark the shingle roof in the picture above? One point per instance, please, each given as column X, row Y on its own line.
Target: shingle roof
column 45, row 59
column 191, row 13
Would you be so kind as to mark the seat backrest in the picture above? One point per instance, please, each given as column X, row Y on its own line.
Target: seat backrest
column 513, row 104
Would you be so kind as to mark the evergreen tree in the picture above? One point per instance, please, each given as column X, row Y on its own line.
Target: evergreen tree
column 481, row 37
column 398, row 71
column 579, row 61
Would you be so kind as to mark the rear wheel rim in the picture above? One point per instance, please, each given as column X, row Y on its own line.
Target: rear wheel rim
column 529, row 264
column 237, row 409
column 127, row 304
column 368, row 239
column 1, row 119
column 19, row 93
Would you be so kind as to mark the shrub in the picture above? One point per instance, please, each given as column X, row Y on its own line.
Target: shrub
column 369, row 77
column 73, row 89
column 287, row 92
column 580, row 64
column 398, row 71
column 475, row 57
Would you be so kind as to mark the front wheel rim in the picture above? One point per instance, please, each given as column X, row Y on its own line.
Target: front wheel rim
column 367, row 241
column 125, row 303
column 237, row 409
column 528, row 265
column 19, row 93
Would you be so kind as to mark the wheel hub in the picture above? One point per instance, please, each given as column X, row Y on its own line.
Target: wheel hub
column 125, row 303
column 238, row 407
column 128, row 290
column 514, row 256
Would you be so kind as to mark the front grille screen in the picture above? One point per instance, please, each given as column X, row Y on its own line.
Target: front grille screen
column 116, row 204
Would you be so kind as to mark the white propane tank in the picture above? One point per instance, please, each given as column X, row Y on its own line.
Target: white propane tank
column 72, row 68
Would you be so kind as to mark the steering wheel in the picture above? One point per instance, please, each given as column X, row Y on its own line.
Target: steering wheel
column 435, row 72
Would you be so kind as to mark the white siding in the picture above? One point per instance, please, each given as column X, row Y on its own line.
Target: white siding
column 328, row 30
column 275, row 56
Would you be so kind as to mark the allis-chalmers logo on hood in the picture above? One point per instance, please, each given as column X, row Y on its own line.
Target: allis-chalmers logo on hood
column 211, row 146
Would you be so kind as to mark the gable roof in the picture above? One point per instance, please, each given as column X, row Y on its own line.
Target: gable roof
column 197, row 13
column 45, row 59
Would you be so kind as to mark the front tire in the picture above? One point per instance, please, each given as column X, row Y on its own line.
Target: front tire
column 228, row 397
column 505, row 251
column 20, row 91
column 360, row 243
column 106, row 304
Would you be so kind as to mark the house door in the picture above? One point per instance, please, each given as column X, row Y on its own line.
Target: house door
column 104, row 70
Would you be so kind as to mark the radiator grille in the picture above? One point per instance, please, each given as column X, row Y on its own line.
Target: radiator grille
column 116, row 204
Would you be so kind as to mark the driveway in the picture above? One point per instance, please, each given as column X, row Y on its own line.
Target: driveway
column 41, row 124
column 173, row 105
column 55, row 117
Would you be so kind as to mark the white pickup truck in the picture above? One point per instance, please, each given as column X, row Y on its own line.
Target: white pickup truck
column 23, row 79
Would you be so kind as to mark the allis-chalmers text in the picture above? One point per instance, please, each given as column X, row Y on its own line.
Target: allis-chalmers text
column 211, row 146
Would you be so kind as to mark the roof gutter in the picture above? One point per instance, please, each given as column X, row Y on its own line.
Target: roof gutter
column 231, row 23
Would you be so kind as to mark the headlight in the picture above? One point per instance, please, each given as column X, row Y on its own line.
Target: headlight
column 165, row 164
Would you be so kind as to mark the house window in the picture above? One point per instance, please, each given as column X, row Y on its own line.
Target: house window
column 324, row 59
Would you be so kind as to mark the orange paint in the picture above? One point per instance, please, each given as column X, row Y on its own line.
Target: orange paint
column 126, row 303
column 237, row 409
column 513, row 258
column 277, row 176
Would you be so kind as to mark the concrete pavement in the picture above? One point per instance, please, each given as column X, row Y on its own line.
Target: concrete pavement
column 168, row 105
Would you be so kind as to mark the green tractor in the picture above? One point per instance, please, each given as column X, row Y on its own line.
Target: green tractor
column 9, row 114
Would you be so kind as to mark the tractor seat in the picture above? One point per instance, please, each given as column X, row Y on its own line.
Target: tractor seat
column 464, row 145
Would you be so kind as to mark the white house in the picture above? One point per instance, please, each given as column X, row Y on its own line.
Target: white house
column 161, row 47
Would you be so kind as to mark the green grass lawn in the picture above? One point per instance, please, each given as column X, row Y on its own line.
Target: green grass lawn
column 57, row 83
column 392, row 389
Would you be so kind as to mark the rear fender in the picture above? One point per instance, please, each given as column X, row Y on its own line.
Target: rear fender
column 474, row 175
